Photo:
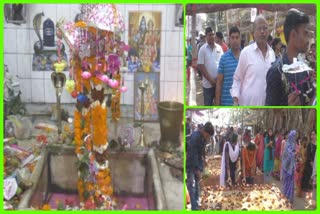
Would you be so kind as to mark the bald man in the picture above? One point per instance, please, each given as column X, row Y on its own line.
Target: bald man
column 249, row 80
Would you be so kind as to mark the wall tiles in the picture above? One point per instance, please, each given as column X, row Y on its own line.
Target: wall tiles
column 25, row 90
column 128, row 97
column 50, row 93
column 172, row 43
column 37, row 91
column 171, row 69
column 11, row 61
column 10, row 40
column 24, row 67
column 170, row 91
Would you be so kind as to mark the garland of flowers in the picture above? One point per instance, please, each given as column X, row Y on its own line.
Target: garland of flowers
column 91, row 134
column 99, row 115
column 90, row 78
column 115, row 102
column 77, row 131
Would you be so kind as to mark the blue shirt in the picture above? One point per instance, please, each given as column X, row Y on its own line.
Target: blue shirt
column 189, row 52
column 195, row 151
column 227, row 66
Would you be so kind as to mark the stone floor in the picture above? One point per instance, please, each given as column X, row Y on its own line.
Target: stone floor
column 172, row 187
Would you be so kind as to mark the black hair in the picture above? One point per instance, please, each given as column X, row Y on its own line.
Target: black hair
column 219, row 35
column 234, row 29
column 304, row 139
column 234, row 138
column 208, row 30
column 311, row 133
column 293, row 19
column 208, row 127
column 275, row 42
column 251, row 146
column 286, row 133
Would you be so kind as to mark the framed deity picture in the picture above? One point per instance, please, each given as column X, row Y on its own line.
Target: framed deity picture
column 148, row 85
column 144, row 40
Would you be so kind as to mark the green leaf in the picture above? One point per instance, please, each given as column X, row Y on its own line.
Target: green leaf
column 85, row 91
column 61, row 206
column 86, row 194
column 82, row 123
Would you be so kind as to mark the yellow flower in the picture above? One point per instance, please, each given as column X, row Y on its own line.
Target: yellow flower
column 46, row 207
column 70, row 85
column 80, row 24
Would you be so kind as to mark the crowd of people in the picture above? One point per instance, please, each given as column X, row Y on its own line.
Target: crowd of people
column 286, row 156
column 254, row 75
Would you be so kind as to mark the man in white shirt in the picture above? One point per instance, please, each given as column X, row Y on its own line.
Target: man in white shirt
column 208, row 62
column 249, row 80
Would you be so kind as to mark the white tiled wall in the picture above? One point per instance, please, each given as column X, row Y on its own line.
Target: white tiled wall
column 36, row 85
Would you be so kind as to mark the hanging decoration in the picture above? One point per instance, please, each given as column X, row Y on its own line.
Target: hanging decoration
column 95, row 81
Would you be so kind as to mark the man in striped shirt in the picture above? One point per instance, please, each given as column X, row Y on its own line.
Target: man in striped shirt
column 227, row 66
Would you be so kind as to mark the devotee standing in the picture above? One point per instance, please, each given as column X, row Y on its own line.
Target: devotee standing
column 296, row 35
column 208, row 62
column 288, row 166
column 268, row 161
column 227, row 66
column 249, row 80
column 306, row 184
column 259, row 141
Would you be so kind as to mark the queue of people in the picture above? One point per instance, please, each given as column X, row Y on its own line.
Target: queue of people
column 254, row 75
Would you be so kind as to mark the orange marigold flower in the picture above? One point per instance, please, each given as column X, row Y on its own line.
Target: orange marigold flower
column 80, row 24
column 46, row 207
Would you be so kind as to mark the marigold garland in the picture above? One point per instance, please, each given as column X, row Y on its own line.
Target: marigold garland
column 46, row 207
column 115, row 102
column 77, row 130
column 80, row 24
column 90, row 126
column 78, row 71
column 87, row 123
column 99, row 132
column 81, row 189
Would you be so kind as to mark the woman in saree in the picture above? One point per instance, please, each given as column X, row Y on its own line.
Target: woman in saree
column 288, row 166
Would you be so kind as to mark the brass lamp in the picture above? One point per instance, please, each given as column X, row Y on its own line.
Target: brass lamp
column 142, row 86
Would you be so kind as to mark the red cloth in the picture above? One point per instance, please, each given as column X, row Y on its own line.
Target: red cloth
column 259, row 141
column 249, row 163
column 224, row 47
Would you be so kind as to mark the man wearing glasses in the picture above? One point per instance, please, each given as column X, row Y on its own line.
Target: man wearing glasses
column 249, row 80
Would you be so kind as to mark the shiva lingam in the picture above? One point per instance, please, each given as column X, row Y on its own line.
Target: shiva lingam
column 58, row 79
column 142, row 86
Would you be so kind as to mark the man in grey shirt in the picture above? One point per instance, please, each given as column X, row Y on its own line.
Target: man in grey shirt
column 208, row 62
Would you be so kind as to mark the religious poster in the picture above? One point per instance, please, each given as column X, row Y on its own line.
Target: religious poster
column 144, row 41
column 46, row 48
